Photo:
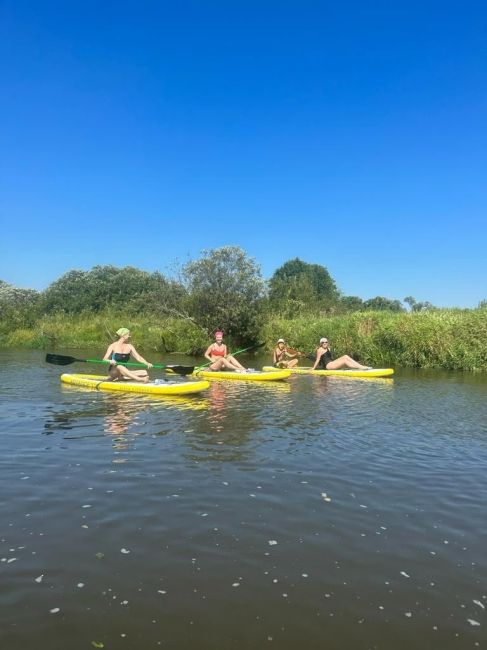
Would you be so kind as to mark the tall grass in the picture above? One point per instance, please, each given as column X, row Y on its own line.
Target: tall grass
column 450, row 338
column 98, row 330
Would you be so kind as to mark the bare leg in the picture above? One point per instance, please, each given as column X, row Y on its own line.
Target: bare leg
column 219, row 364
column 292, row 363
column 121, row 372
column 235, row 363
column 345, row 362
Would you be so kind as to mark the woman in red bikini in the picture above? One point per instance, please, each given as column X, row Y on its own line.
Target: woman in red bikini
column 218, row 355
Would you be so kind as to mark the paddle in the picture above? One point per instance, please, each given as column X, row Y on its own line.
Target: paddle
column 298, row 353
column 251, row 347
column 62, row 360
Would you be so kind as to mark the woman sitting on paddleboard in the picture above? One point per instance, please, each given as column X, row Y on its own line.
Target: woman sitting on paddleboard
column 325, row 361
column 122, row 350
column 282, row 357
column 218, row 355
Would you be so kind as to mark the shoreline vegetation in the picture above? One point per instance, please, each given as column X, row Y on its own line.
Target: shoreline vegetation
column 450, row 339
column 301, row 303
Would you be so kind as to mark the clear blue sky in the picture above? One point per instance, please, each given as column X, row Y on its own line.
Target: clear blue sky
column 350, row 134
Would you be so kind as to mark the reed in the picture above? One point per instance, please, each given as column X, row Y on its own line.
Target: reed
column 453, row 339
column 90, row 330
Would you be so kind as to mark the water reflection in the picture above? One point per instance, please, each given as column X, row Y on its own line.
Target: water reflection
column 236, row 411
column 347, row 512
column 117, row 412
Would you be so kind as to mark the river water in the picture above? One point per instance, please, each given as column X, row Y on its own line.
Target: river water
column 319, row 512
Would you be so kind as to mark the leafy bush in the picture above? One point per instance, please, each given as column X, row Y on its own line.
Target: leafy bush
column 226, row 290
column 299, row 286
column 18, row 307
column 127, row 288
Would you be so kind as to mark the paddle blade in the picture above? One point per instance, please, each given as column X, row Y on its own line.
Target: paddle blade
column 60, row 359
column 181, row 370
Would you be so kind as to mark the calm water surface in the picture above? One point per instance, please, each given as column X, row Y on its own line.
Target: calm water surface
column 318, row 512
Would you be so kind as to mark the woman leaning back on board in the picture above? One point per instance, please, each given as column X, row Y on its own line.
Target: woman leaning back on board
column 324, row 359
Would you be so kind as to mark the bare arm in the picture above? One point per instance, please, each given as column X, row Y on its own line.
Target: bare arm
column 208, row 353
column 138, row 357
column 108, row 354
column 319, row 353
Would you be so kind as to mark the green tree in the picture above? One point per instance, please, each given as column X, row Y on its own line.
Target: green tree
column 418, row 306
column 225, row 289
column 379, row 303
column 18, row 307
column 299, row 285
column 351, row 303
column 103, row 286
column 409, row 300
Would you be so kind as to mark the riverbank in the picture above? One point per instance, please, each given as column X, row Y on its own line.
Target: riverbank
column 451, row 339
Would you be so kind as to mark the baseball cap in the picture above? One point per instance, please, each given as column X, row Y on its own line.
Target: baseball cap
column 281, row 341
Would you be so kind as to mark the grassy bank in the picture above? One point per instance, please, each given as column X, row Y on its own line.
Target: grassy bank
column 149, row 333
column 449, row 339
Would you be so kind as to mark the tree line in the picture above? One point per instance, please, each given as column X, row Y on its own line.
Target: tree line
column 224, row 288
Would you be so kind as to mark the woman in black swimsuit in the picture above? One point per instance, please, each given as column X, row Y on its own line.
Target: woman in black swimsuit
column 325, row 361
column 122, row 350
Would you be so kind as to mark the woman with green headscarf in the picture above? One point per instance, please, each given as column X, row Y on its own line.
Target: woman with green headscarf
column 121, row 351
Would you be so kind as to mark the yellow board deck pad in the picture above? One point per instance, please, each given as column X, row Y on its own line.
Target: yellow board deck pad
column 99, row 382
column 272, row 374
column 346, row 372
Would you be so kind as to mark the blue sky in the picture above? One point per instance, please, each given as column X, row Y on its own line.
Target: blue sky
column 352, row 135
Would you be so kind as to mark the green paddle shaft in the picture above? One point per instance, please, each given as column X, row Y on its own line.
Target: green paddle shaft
column 63, row 360
column 133, row 364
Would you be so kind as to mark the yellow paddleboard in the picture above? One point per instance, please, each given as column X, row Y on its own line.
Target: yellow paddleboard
column 270, row 374
column 99, row 382
column 374, row 372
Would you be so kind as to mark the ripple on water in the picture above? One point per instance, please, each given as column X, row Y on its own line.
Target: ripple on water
column 348, row 513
